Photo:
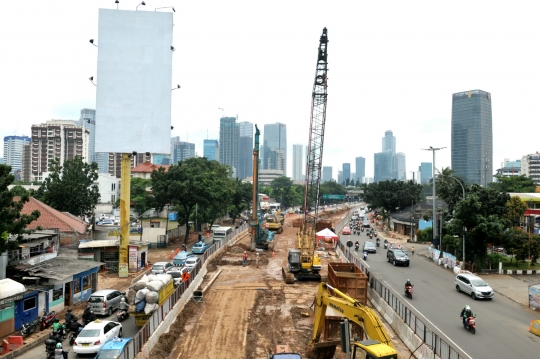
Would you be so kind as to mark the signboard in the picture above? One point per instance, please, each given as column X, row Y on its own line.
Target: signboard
column 534, row 296
column 333, row 196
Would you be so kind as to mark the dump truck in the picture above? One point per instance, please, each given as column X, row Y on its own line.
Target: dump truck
column 164, row 293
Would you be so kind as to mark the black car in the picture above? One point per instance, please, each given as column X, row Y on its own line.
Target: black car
column 370, row 247
column 397, row 256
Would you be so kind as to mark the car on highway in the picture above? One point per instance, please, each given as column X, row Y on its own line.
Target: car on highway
column 192, row 262
column 105, row 222
column 473, row 285
column 370, row 247
column 181, row 257
column 346, row 230
column 176, row 274
column 397, row 257
column 94, row 336
column 115, row 348
column 161, row 267
column 199, row 248
column 105, row 301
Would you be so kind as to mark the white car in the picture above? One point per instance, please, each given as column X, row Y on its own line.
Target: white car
column 473, row 285
column 95, row 334
column 191, row 262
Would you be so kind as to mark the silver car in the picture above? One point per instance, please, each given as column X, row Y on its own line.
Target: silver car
column 105, row 301
column 473, row 285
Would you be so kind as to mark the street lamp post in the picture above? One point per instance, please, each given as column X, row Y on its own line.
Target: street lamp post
column 434, row 227
column 463, row 235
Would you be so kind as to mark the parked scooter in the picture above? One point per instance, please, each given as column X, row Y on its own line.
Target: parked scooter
column 409, row 291
column 29, row 328
column 472, row 325
column 47, row 319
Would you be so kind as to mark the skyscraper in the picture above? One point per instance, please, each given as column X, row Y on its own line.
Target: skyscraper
column 383, row 166
column 182, row 151
column 399, row 170
column 211, row 150
column 326, row 174
column 340, row 177
column 13, row 151
column 275, row 138
column 298, row 162
column 360, row 168
column 472, row 136
column 426, row 172
column 346, row 172
column 88, row 121
column 389, row 142
column 228, row 142
column 245, row 150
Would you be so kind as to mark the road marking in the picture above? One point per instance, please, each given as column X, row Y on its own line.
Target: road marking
column 434, row 326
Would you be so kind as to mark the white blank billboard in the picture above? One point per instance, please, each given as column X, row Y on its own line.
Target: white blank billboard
column 133, row 100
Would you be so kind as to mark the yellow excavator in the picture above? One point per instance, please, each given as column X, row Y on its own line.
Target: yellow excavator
column 377, row 346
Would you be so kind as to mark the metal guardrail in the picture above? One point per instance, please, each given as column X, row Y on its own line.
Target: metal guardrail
column 142, row 337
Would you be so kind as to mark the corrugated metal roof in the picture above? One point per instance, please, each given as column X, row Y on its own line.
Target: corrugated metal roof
column 58, row 268
column 110, row 243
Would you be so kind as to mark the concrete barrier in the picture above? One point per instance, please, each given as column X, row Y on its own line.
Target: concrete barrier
column 165, row 325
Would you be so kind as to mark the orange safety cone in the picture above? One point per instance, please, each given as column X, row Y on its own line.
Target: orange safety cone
column 273, row 253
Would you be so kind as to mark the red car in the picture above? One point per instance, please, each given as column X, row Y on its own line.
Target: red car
column 346, row 230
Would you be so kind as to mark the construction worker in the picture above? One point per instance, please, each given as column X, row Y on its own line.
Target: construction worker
column 257, row 260
column 244, row 258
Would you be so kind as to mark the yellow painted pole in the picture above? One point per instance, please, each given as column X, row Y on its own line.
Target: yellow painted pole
column 125, row 200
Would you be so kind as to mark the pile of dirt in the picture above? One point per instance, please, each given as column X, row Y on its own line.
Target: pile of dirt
column 167, row 340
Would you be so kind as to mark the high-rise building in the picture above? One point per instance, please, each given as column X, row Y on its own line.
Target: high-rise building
column 275, row 139
column 399, row 170
column 182, row 151
column 228, row 142
column 161, row 159
column 211, row 150
column 426, row 172
column 472, row 136
column 245, row 150
column 26, row 174
column 346, row 172
column 13, row 151
column 530, row 166
column 88, row 121
column 114, row 162
column 326, row 174
column 276, row 160
column 383, row 166
column 360, row 168
column 340, row 177
column 60, row 140
column 389, row 142
column 511, row 168
column 1, row 160
column 298, row 162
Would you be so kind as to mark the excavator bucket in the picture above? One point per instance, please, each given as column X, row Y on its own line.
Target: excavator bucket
column 323, row 350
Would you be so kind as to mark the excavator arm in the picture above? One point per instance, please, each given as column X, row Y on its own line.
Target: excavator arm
column 378, row 344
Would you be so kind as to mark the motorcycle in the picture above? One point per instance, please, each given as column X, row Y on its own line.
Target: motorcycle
column 386, row 246
column 29, row 328
column 47, row 319
column 74, row 333
column 122, row 314
column 378, row 243
column 365, row 256
column 472, row 324
column 409, row 291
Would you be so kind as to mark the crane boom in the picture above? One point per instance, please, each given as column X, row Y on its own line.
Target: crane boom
column 316, row 131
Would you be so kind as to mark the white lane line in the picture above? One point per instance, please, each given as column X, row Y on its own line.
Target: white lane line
column 434, row 326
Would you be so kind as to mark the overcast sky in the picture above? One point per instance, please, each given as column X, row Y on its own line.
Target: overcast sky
column 393, row 65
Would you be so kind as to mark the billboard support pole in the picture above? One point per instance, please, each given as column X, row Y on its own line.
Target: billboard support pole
column 125, row 194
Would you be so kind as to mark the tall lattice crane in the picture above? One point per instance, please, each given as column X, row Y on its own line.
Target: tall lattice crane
column 304, row 264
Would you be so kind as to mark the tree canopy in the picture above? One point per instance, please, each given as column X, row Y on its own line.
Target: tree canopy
column 12, row 222
column 71, row 187
column 391, row 195
column 141, row 198
column 513, row 184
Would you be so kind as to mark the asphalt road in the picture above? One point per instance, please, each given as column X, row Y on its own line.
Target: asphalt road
column 502, row 325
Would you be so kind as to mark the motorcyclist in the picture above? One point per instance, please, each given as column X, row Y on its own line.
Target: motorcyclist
column 69, row 316
column 408, row 285
column 357, row 245
column 365, row 255
column 59, row 353
column 86, row 313
column 123, row 305
column 56, row 336
column 466, row 313
column 58, row 327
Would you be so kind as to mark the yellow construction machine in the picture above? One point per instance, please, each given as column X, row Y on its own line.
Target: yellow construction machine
column 377, row 345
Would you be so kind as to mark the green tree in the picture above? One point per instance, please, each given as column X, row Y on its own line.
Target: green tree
column 391, row 195
column 281, row 188
column 19, row 191
column 241, row 199
column 12, row 222
column 513, row 184
column 193, row 182
column 140, row 194
column 71, row 187
column 516, row 210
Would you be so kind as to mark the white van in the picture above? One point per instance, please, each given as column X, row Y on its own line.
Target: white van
column 220, row 233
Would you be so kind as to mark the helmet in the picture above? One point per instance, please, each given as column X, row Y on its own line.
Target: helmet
column 59, row 345
column 408, row 280
column 56, row 320
column 467, row 307
column 123, row 299
column 69, row 310
column 55, row 332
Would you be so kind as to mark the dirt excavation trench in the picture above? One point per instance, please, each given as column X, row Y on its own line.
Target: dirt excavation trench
column 246, row 311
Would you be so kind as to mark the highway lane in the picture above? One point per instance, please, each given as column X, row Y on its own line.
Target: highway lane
column 502, row 325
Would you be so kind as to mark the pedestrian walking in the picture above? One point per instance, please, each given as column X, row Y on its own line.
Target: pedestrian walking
column 244, row 258
column 257, row 260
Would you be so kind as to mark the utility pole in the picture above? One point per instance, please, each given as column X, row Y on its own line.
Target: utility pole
column 434, row 217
